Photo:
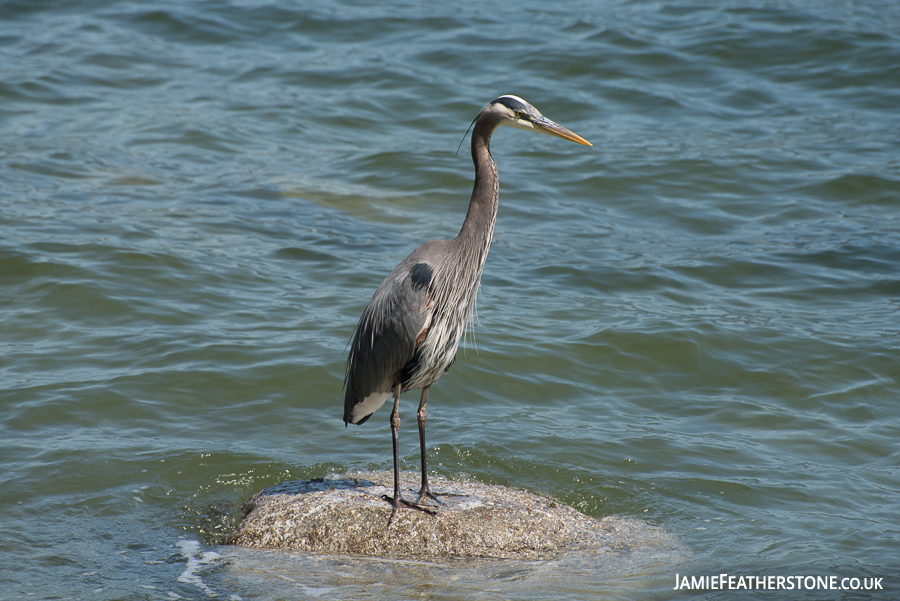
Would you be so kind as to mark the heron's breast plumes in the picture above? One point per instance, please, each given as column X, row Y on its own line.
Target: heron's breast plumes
column 455, row 289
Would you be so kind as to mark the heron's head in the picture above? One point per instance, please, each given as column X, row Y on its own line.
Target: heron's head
column 515, row 112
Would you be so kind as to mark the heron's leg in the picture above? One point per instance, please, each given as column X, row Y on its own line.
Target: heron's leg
column 397, row 500
column 422, row 414
column 395, row 436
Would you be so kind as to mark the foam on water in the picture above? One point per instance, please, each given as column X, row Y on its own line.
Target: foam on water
column 198, row 558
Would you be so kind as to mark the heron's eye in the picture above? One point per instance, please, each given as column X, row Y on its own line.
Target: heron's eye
column 520, row 114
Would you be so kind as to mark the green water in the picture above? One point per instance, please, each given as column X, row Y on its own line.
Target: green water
column 693, row 323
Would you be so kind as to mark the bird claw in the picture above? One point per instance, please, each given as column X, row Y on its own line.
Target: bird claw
column 401, row 501
column 430, row 495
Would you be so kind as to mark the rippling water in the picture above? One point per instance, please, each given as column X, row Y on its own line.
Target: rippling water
column 694, row 323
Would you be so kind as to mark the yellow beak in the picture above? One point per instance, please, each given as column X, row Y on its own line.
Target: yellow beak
column 546, row 126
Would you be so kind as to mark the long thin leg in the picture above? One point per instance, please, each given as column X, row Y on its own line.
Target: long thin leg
column 397, row 499
column 421, row 415
column 395, row 436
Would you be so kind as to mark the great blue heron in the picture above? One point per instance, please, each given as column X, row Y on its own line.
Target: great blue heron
column 408, row 335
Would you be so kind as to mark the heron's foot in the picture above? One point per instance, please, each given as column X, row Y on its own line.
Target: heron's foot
column 425, row 493
column 395, row 503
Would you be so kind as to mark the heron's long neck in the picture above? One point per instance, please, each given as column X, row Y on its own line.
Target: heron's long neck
column 475, row 236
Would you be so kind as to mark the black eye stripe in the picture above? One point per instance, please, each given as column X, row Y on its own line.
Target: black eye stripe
column 511, row 103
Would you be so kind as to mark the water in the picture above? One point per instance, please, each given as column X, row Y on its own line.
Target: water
column 694, row 323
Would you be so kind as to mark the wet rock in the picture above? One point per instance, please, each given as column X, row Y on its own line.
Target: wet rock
column 347, row 515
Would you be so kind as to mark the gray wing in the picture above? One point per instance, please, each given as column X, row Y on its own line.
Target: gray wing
column 386, row 336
